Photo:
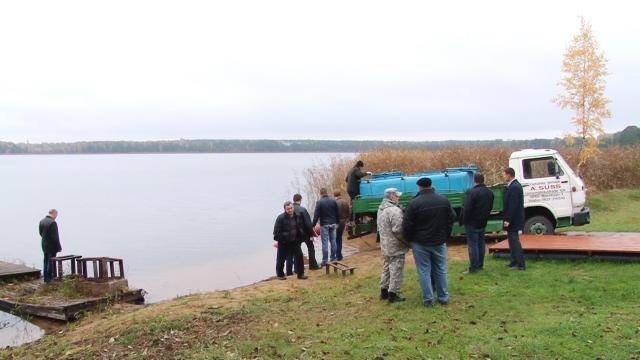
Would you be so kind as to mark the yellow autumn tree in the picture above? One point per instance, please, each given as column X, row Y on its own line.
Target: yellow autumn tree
column 583, row 86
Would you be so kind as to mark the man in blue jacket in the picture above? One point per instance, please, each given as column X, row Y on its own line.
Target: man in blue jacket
column 328, row 213
column 514, row 218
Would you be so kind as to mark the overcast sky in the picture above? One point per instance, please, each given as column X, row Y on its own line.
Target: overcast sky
column 138, row 70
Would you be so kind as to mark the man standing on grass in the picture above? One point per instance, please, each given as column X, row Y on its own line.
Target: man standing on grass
column 345, row 210
column 309, row 233
column 392, row 244
column 514, row 218
column 475, row 213
column 288, row 231
column 328, row 214
column 427, row 224
column 48, row 229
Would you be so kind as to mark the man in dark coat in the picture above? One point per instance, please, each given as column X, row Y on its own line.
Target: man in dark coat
column 308, row 236
column 48, row 229
column 353, row 184
column 475, row 214
column 328, row 214
column 289, row 231
column 513, row 211
column 427, row 224
column 353, row 179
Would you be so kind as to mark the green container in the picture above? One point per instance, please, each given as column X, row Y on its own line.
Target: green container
column 367, row 209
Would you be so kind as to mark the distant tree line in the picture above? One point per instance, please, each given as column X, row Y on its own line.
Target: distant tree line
column 630, row 135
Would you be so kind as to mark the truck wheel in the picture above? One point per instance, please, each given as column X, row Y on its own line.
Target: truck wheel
column 538, row 225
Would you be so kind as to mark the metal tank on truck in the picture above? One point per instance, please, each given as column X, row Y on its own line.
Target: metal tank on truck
column 554, row 196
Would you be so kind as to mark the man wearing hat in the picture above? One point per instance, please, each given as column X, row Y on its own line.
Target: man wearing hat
column 427, row 224
column 392, row 244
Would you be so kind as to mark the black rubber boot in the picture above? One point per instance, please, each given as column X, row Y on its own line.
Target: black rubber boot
column 393, row 297
column 384, row 294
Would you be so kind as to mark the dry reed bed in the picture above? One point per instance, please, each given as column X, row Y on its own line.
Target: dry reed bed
column 614, row 167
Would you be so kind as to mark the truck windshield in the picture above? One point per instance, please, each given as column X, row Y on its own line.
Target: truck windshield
column 541, row 168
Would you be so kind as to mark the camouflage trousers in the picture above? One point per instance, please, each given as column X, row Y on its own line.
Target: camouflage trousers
column 392, row 273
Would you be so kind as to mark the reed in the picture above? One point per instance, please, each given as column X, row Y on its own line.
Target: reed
column 614, row 167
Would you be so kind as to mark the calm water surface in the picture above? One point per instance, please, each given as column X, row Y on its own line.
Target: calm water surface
column 183, row 223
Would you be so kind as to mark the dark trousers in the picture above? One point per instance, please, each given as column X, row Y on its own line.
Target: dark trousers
column 284, row 251
column 515, row 249
column 476, row 245
column 339, row 232
column 313, row 263
column 47, row 272
column 352, row 217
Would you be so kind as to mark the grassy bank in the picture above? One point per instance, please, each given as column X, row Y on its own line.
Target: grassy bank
column 614, row 210
column 555, row 309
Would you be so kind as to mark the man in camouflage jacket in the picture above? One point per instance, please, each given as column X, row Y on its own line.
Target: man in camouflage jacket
column 393, row 246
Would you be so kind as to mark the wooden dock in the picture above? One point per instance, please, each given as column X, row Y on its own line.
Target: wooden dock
column 69, row 310
column 599, row 246
column 9, row 272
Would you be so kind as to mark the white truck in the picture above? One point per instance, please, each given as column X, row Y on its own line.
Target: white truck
column 554, row 196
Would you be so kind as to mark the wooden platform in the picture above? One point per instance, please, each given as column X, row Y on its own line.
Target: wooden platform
column 338, row 266
column 9, row 271
column 71, row 309
column 606, row 246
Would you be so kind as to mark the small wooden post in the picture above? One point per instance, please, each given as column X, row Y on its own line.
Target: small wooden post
column 121, row 266
column 52, row 265
column 60, row 270
column 103, row 268
column 95, row 268
column 111, row 268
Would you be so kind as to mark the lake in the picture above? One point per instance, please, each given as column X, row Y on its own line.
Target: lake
column 183, row 223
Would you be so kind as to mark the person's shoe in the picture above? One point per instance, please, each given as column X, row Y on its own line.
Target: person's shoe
column 510, row 265
column 314, row 267
column 443, row 302
column 323, row 264
column 339, row 259
column 428, row 303
column 289, row 274
column 303, row 277
column 393, row 297
column 516, row 268
column 384, row 294
column 281, row 277
column 469, row 272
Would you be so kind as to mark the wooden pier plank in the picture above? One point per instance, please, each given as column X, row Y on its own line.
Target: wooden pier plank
column 589, row 244
column 10, row 271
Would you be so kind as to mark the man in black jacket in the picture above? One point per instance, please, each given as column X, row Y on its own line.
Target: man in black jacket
column 288, row 231
column 328, row 213
column 48, row 229
column 475, row 213
column 353, row 179
column 309, row 233
column 514, row 218
column 427, row 224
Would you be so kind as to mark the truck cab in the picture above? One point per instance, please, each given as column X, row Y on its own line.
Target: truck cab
column 554, row 196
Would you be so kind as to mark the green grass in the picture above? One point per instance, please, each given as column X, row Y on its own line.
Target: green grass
column 614, row 210
column 555, row 309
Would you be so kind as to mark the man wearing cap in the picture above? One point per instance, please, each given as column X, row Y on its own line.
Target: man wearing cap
column 48, row 229
column 393, row 246
column 427, row 224
column 353, row 184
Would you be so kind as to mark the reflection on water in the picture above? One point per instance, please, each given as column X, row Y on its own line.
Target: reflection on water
column 183, row 223
column 14, row 331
